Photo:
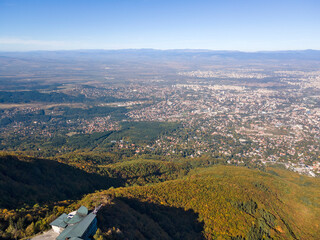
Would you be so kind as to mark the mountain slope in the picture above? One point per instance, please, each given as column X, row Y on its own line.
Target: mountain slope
column 32, row 180
column 228, row 202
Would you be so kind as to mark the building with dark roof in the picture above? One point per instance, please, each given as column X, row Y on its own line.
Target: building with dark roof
column 78, row 225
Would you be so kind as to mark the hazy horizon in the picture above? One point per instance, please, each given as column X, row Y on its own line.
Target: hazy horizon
column 158, row 49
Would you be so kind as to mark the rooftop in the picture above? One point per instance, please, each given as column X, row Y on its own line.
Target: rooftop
column 75, row 226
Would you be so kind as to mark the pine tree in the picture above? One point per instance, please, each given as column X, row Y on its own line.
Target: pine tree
column 30, row 229
column 98, row 235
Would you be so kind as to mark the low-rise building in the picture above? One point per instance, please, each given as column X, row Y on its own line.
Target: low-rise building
column 78, row 225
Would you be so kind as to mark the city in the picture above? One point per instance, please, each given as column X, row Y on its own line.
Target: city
column 243, row 122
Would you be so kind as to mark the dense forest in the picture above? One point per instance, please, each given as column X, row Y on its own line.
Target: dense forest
column 36, row 96
column 225, row 202
column 154, row 199
column 27, row 181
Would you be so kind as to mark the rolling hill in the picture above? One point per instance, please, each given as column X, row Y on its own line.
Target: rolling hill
column 224, row 202
column 26, row 180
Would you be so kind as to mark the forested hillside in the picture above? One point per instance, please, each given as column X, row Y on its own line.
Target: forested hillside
column 26, row 180
column 154, row 199
column 224, row 202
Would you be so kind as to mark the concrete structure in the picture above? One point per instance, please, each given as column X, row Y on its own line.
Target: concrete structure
column 49, row 235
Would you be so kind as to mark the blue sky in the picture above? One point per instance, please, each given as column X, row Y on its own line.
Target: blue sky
column 246, row 25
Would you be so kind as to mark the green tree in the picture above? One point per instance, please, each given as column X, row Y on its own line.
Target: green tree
column 98, row 235
column 30, row 229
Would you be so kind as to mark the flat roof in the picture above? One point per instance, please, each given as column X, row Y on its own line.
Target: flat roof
column 82, row 226
column 65, row 233
column 77, row 230
column 60, row 221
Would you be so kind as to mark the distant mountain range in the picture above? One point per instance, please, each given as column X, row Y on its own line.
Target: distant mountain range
column 175, row 53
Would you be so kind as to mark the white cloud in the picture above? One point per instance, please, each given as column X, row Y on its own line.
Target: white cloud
column 19, row 41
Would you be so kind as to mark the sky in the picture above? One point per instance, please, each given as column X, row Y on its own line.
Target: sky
column 244, row 25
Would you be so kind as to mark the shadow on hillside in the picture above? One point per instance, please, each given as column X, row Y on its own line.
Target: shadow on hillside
column 30, row 181
column 133, row 219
